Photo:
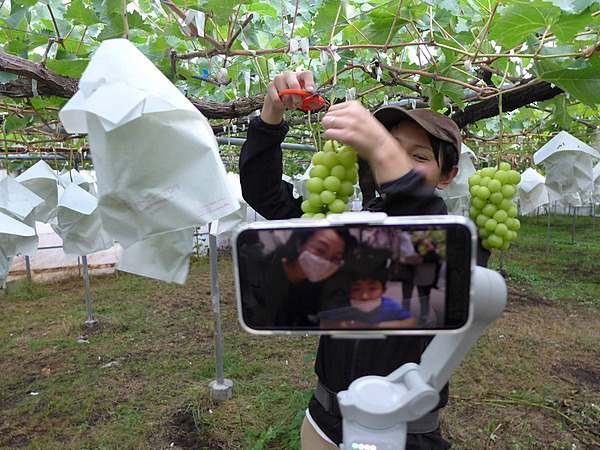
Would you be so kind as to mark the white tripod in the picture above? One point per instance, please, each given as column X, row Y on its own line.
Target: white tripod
column 376, row 409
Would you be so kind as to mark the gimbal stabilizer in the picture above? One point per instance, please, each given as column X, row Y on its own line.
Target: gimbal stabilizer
column 376, row 409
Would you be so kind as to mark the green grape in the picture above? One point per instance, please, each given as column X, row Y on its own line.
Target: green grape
column 489, row 210
column 308, row 207
column 317, row 158
column 348, row 157
column 319, row 216
column 484, row 233
column 330, row 160
column 495, row 241
column 508, row 191
column 490, row 224
column 488, row 172
column 494, row 186
column 485, row 244
column 307, row 216
column 346, row 188
column 475, row 179
column 501, row 230
column 481, row 220
column 319, row 171
column 327, row 197
column 496, row 198
column 330, row 146
column 514, row 177
column 478, row 203
column 501, row 176
column 332, row 183
column 505, row 204
column 338, row 172
column 474, row 212
column 500, row 216
column 338, row 206
column 352, row 175
column 314, row 184
column 343, row 198
column 483, row 193
column 315, row 200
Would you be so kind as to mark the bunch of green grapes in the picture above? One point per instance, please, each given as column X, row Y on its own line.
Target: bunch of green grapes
column 491, row 206
column 331, row 182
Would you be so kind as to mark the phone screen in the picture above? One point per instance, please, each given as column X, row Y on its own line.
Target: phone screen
column 385, row 278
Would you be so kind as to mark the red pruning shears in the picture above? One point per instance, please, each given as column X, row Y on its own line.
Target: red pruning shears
column 310, row 100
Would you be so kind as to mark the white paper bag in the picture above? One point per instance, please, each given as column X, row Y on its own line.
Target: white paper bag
column 165, row 257
column 16, row 237
column 456, row 195
column 5, row 265
column 79, row 179
column 532, row 191
column 567, row 174
column 226, row 225
column 155, row 155
column 596, row 188
column 16, row 198
column 569, row 168
column 42, row 181
column 78, row 223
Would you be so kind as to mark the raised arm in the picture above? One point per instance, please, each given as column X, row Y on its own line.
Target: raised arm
column 261, row 156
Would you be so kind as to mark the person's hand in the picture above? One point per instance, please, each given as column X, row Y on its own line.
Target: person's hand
column 274, row 106
column 353, row 125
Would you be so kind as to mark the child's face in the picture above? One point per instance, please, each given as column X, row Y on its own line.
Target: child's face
column 366, row 290
column 415, row 141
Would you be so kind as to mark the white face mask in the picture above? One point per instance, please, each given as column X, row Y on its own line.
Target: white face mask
column 366, row 306
column 316, row 268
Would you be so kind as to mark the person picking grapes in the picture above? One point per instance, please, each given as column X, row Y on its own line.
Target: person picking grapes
column 410, row 153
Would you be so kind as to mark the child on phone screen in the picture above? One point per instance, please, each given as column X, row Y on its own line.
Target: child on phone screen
column 368, row 305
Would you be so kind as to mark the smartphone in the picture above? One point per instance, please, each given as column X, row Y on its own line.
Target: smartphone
column 355, row 274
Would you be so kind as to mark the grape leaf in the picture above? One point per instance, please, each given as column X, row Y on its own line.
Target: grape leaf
column 520, row 18
column 79, row 13
column 263, row 9
column 580, row 79
column 573, row 6
column 568, row 25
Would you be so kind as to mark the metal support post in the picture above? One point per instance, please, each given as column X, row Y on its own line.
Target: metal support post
column 28, row 268
column 548, row 235
column 88, row 296
column 573, row 229
column 221, row 389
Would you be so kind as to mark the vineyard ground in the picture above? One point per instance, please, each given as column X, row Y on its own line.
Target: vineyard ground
column 139, row 377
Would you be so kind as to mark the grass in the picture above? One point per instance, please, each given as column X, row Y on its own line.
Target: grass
column 566, row 268
column 139, row 377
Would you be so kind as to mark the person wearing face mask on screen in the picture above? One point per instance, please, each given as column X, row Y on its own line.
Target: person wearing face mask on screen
column 292, row 283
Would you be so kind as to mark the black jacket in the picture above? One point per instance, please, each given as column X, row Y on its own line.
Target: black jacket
column 339, row 361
